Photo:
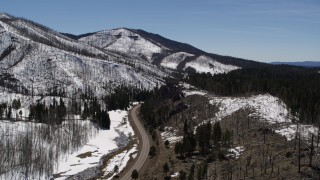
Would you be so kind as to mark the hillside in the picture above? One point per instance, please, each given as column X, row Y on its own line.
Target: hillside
column 36, row 59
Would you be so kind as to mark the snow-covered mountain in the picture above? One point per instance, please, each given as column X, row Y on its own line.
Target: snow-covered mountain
column 157, row 50
column 37, row 60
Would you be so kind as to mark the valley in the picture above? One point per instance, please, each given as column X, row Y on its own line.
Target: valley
column 105, row 104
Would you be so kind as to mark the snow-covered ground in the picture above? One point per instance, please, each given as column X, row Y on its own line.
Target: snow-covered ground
column 120, row 160
column 70, row 148
column 236, row 151
column 123, row 40
column 39, row 146
column 204, row 64
column 270, row 108
column 193, row 92
column 175, row 175
column 173, row 60
column 289, row 131
column 189, row 90
column 170, row 134
column 39, row 67
column 105, row 142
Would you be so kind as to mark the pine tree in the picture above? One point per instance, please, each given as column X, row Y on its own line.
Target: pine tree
column 166, row 168
column 217, row 134
column 135, row 174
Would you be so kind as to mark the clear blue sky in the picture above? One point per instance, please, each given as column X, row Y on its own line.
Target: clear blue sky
column 263, row 30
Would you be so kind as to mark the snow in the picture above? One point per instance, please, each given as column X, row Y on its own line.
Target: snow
column 204, row 64
column 170, row 134
column 289, row 131
column 99, row 143
column 236, row 151
column 103, row 143
column 47, row 144
column 123, row 40
column 189, row 90
column 193, row 92
column 176, row 174
column 270, row 108
column 120, row 160
column 173, row 60
column 42, row 67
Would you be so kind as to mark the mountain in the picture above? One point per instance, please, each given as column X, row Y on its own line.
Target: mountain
column 155, row 48
column 302, row 63
column 35, row 59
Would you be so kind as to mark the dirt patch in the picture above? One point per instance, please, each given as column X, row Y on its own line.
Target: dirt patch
column 85, row 155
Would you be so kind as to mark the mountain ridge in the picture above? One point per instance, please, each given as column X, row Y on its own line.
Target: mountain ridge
column 310, row 64
column 34, row 54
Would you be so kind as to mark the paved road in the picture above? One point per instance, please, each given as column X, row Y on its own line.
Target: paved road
column 144, row 144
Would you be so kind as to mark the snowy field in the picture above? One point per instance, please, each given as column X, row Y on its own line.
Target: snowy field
column 105, row 142
column 204, row 64
column 173, row 60
column 65, row 149
column 270, row 108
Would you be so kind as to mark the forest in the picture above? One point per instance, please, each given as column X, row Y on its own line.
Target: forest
column 155, row 111
column 298, row 87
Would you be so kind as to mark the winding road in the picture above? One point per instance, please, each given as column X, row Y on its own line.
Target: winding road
column 144, row 144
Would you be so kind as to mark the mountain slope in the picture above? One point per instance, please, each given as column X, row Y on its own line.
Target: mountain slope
column 42, row 61
column 155, row 49
column 36, row 59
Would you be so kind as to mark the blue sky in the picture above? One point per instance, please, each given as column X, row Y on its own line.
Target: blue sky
column 262, row 30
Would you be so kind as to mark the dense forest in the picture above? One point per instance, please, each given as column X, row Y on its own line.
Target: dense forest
column 155, row 109
column 298, row 87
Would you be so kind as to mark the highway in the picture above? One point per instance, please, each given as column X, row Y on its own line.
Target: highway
column 143, row 146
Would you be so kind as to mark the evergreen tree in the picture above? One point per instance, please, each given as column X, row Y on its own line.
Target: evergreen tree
column 135, row 174
column 105, row 120
column 16, row 104
column 182, row 175
column 9, row 112
column 191, row 174
column 217, row 134
column 152, row 151
column 166, row 168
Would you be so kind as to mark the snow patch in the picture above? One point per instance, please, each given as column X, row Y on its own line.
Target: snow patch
column 175, row 175
column 123, row 40
column 120, row 160
column 173, row 60
column 193, row 92
column 270, row 108
column 170, row 134
column 236, row 151
column 290, row 131
column 204, row 64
